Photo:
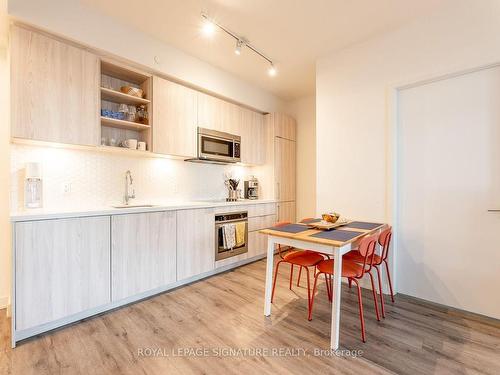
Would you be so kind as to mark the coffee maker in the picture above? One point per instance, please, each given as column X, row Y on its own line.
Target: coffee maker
column 251, row 188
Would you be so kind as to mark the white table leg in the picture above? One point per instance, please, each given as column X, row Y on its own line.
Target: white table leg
column 337, row 282
column 269, row 275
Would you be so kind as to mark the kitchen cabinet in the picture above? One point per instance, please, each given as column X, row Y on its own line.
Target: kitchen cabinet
column 195, row 242
column 253, row 138
column 257, row 242
column 284, row 164
column 218, row 114
column 54, row 90
column 62, row 267
column 143, row 252
column 286, row 212
column 175, row 118
column 284, row 126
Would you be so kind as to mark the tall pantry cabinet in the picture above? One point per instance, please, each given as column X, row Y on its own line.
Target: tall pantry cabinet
column 281, row 158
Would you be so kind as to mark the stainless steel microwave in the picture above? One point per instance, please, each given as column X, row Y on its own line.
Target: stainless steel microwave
column 218, row 146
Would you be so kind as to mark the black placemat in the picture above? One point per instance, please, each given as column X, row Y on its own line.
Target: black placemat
column 291, row 228
column 362, row 225
column 337, row 235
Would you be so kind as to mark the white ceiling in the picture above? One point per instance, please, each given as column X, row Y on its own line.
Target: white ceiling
column 294, row 33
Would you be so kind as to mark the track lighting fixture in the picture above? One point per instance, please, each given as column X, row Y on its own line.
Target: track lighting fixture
column 209, row 26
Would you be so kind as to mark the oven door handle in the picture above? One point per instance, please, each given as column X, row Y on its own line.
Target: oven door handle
column 220, row 223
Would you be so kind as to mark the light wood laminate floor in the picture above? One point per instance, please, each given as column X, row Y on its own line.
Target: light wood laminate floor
column 226, row 311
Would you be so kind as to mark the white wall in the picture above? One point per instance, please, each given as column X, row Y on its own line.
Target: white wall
column 304, row 112
column 4, row 158
column 74, row 20
column 354, row 99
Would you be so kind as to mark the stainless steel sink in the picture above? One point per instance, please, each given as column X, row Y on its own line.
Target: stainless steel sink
column 134, row 206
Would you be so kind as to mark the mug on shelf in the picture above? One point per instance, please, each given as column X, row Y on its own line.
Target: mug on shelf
column 130, row 143
column 141, row 146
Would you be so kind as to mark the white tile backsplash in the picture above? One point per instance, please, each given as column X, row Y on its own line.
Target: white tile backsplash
column 98, row 179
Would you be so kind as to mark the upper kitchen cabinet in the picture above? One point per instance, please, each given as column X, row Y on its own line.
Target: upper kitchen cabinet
column 284, row 126
column 54, row 89
column 175, row 116
column 218, row 114
column 253, row 138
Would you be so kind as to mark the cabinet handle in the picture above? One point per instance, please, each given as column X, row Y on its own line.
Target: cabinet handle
column 494, row 210
column 279, row 218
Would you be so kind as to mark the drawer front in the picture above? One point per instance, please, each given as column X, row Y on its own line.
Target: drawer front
column 262, row 209
column 261, row 222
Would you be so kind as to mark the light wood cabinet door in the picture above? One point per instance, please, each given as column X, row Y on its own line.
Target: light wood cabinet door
column 253, row 138
column 286, row 212
column 195, row 242
column 257, row 244
column 174, row 119
column 285, row 161
column 55, row 90
column 284, row 126
column 62, row 267
column 218, row 114
column 143, row 252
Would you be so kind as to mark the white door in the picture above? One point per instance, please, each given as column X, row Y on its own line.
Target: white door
column 448, row 178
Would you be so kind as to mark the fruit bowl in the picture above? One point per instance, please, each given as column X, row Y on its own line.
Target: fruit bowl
column 330, row 217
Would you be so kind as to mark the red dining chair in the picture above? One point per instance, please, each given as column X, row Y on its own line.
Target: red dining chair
column 384, row 240
column 353, row 272
column 301, row 258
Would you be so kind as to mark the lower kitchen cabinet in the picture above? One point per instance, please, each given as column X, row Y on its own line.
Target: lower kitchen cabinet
column 195, row 242
column 286, row 212
column 143, row 252
column 62, row 267
column 257, row 242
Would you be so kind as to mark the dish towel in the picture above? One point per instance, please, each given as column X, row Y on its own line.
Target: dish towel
column 229, row 236
column 240, row 233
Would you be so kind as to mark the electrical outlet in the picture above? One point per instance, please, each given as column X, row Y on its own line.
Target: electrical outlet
column 66, row 187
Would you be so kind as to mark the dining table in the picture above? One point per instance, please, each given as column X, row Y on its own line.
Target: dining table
column 334, row 242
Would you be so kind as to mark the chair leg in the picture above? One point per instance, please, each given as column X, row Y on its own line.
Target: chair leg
column 382, row 305
column 275, row 278
column 350, row 283
column 330, row 282
column 361, row 317
column 312, row 296
column 308, row 291
column 389, row 279
column 291, row 275
column 328, row 290
column 300, row 272
column 374, row 296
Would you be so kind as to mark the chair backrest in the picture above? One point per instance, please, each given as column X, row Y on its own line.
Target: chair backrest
column 384, row 240
column 306, row 219
column 281, row 223
column 367, row 250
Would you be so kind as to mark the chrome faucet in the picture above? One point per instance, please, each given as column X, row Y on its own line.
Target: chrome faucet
column 129, row 188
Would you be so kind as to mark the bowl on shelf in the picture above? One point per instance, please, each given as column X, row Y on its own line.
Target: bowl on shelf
column 330, row 217
column 134, row 91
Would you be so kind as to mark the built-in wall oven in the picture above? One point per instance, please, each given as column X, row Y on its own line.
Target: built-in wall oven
column 231, row 234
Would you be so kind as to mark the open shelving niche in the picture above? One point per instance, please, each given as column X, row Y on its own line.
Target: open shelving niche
column 113, row 76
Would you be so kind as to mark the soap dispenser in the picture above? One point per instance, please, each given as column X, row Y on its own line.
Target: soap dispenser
column 33, row 186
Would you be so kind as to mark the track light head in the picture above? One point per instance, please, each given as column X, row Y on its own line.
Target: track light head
column 208, row 27
column 239, row 45
column 272, row 71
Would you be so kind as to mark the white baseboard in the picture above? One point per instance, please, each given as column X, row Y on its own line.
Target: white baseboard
column 4, row 302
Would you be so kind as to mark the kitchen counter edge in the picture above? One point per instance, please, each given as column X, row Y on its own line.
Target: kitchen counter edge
column 105, row 211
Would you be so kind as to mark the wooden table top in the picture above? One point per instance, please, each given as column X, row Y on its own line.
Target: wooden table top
column 306, row 235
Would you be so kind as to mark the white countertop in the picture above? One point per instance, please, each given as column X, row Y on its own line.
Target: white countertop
column 41, row 214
